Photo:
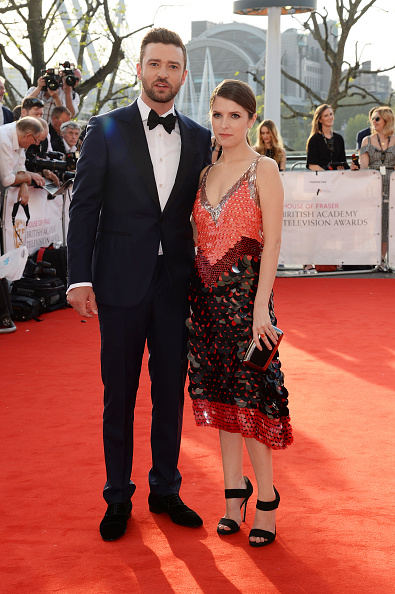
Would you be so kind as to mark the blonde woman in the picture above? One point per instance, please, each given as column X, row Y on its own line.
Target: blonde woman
column 378, row 152
column 270, row 143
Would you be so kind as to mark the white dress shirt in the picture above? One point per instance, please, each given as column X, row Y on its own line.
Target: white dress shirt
column 69, row 149
column 165, row 151
column 12, row 157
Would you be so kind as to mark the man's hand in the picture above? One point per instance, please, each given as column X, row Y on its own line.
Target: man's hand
column 51, row 176
column 55, row 97
column 23, row 194
column 66, row 88
column 38, row 179
column 83, row 300
column 41, row 83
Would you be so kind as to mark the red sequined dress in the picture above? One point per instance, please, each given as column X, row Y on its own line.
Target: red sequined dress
column 225, row 393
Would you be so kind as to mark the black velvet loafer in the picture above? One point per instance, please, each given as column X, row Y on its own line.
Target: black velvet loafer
column 114, row 523
column 177, row 510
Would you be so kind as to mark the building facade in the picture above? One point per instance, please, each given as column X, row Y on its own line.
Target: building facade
column 238, row 50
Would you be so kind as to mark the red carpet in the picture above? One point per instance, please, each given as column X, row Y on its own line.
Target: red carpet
column 335, row 522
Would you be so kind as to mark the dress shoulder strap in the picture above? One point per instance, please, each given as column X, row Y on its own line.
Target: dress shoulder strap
column 204, row 178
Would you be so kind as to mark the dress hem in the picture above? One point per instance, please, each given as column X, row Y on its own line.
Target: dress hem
column 274, row 433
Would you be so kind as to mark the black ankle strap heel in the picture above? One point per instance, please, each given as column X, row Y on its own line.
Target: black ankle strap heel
column 265, row 506
column 236, row 494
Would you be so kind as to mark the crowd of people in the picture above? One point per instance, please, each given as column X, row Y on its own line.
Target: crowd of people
column 201, row 292
column 42, row 123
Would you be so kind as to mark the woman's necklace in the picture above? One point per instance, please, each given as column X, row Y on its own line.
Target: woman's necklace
column 385, row 137
column 383, row 151
column 329, row 143
column 383, row 168
column 269, row 152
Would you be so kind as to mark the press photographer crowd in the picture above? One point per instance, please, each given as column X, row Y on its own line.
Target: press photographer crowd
column 39, row 148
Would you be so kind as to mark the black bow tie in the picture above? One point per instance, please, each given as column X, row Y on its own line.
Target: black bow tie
column 168, row 122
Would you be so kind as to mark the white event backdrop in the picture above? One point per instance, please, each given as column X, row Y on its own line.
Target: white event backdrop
column 331, row 217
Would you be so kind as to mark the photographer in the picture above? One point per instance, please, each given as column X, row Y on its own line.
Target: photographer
column 54, row 166
column 60, row 115
column 40, row 151
column 14, row 138
column 62, row 92
column 70, row 133
column 34, row 107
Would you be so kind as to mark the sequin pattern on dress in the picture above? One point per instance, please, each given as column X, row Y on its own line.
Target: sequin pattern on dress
column 225, row 393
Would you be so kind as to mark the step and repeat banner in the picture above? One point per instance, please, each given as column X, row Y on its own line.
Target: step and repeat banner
column 391, row 224
column 331, row 217
column 47, row 224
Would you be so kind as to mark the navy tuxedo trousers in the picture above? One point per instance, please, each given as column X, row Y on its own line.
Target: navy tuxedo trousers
column 158, row 320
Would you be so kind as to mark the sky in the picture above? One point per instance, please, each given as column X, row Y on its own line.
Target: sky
column 374, row 33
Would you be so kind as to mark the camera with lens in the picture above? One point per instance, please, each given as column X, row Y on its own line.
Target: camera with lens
column 39, row 269
column 52, row 79
column 63, row 165
column 68, row 74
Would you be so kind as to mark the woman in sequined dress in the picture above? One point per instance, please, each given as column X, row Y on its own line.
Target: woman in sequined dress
column 378, row 152
column 270, row 143
column 238, row 217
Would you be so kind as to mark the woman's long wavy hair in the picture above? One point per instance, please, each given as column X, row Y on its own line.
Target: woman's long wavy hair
column 276, row 140
column 316, row 124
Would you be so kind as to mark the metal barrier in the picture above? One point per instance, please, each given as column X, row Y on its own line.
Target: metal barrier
column 330, row 217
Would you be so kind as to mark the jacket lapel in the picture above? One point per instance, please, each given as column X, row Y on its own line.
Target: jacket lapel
column 131, row 128
column 188, row 151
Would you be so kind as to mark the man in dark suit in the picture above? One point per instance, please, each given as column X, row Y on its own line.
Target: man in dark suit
column 366, row 131
column 130, row 237
column 6, row 115
column 60, row 115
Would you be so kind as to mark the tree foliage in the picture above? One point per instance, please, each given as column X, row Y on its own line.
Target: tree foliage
column 354, row 125
column 344, row 82
column 36, row 34
column 344, row 89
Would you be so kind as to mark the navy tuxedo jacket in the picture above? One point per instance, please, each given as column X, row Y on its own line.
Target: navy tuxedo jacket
column 7, row 115
column 116, row 222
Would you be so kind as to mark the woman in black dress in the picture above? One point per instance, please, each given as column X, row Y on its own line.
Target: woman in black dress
column 325, row 148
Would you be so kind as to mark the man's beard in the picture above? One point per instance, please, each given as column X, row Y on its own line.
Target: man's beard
column 154, row 95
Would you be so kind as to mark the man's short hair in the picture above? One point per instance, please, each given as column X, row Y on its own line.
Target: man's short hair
column 160, row 35
column 44, row 124
column 16, row 112
column 59, row 109
column 29, row 102
column 72, row 125
column 29, row 124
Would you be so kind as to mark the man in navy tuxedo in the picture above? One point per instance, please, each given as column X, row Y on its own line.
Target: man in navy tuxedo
column 131, row 252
